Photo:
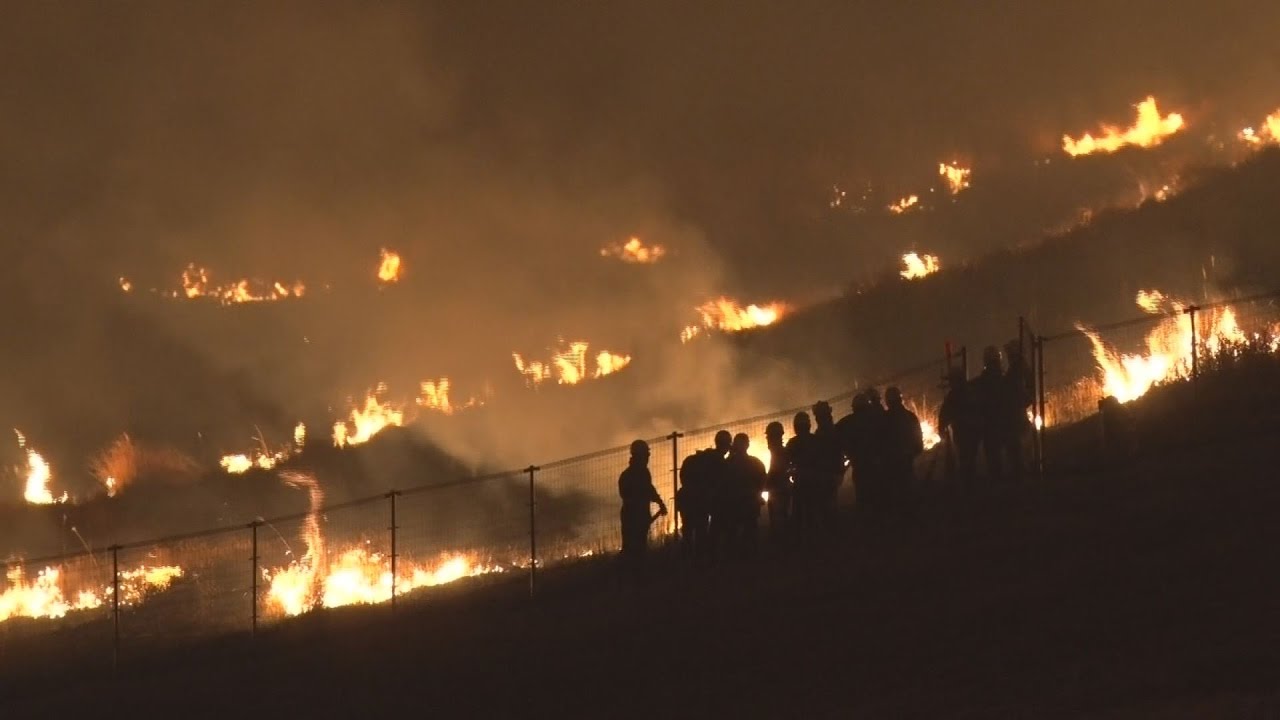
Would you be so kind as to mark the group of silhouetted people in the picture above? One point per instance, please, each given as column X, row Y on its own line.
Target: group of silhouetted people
column 988, row 413
column 724, row 489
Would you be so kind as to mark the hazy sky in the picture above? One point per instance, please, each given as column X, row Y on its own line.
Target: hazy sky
column 245, row 132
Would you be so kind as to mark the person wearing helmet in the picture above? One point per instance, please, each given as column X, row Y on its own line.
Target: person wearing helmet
column 904, row 442
column 960, row 420
column 747, row 477
column 806, row 471
column 635, row 486
column 701, row 474
column 861, row 434
column 779, row 484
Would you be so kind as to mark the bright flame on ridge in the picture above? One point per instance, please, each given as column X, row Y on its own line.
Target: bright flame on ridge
column 916, row 266
column 569, row 365
column 957, row 177
column 1148, row 130
column 729, row 315
column 389, row 266
column 634, row 251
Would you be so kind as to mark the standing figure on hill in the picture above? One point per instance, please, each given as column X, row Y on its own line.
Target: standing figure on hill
column 1020, row 386
column 779, row 484
column 747, row 478
column 805, row 468
column 991, row 392
column 700, row 476
column 635, row 486
column 862, row 435
column 961, row 418
column 904, row 441
column 830, row 463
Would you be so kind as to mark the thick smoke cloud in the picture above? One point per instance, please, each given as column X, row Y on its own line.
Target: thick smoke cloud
column 498, row 145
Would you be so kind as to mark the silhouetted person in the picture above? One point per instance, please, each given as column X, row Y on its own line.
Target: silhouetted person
column 747, row 478
column 904, row 442
column 635, row 486
column 700, row 477
column 830, row 462
column 1020, row 389
column 803, row 452
column 861, row 433
column 991, row 392
column 778, row 484
column 960, row 418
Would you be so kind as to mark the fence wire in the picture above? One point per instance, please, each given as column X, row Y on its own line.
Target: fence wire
column 371, row 550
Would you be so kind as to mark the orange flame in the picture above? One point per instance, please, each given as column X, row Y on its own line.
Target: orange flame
column 1168, row 347
column 389, row 266
column 915, row 266
column 44, row 595
column 367, row 421
column 957, row 177
column 39, row 474
column 569, row 366
column 634, row 251
column 905, row 204
column 196, row 284
column 1267, row 132
column 1148, row 130
column 729, row 315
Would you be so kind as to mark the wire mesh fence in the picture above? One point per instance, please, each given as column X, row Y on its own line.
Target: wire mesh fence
column 376, row 549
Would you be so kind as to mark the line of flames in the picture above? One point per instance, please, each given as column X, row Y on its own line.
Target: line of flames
column 45, row 596
column 956, row 175
column 1167, row 354
column 634, row 251
column 1149, row 129
column 569, row 365
column 727, row 315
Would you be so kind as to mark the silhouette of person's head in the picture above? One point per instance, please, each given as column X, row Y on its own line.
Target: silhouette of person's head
column 801, row 423
column 873, row 397
column 740, row 444
column 893, row 396
column 640, row 452
column 773, row 432
column 723, row 441
column 821, row 411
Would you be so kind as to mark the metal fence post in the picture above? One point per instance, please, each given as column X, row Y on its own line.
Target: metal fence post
column 1037, row 348
column 1195, row 343
column 115, row 606
column 533, row 532
column 394, row 554
column 675, row 478
column 253, row 577
column 964, row 360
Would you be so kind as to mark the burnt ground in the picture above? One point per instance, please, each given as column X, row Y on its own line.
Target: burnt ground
column 1145, row 589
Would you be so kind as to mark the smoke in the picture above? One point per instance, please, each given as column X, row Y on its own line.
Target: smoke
column 497, row 146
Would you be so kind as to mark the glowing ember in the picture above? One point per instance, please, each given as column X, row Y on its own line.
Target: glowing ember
column 367, row 421
column 1168, row 349
column 1148, row 130
column 389, row 266
column 196, row 284
column 916, row 266
column 905, row 204
column 569, row 366
column 728, row 315
column 39, row 474
column 957, row 177
column 44, row 596
column 634, row 251
column 126, row 285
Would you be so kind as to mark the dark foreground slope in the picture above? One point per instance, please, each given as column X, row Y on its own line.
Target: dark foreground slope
column 1138, row 590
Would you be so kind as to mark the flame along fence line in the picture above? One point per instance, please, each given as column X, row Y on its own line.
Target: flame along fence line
column 376, row 549
column 514, row 521
column 1074, row 372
